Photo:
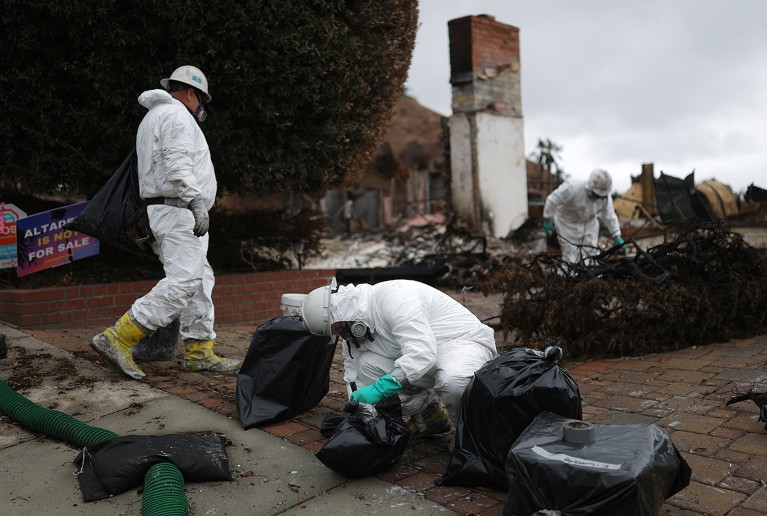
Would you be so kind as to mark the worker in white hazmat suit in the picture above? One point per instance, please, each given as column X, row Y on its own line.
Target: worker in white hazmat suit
column 178, row 184
column 403, row 337
column 575, row 209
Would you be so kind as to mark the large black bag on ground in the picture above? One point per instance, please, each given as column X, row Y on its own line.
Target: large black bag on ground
column 503, row 398
column 285, row 372
column 361, row 445
column 626, row 469
column 117, row 465
column 107, row 215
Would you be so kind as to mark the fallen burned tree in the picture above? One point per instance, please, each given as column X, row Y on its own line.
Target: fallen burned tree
column 704, row 284
column 758, row 397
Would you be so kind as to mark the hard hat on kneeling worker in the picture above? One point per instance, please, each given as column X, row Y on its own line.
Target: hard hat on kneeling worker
column 315, row 310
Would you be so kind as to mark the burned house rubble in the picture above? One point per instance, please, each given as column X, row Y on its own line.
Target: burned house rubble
column 653, row 203
column 694, row 271
column 433, row 252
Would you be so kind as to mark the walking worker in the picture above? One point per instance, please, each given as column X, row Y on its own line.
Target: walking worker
column 575, row 209
column 178, row 183
column 403, row 337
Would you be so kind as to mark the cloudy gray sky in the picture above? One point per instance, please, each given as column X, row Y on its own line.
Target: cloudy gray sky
column 678, row 83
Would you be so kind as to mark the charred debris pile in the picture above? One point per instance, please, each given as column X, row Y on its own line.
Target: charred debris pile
column 448, row 255
column 704, row 284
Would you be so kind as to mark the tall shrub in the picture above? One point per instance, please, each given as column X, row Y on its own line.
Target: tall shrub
column 302, row 89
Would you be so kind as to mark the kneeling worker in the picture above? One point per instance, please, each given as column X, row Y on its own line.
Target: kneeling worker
column 403, row 337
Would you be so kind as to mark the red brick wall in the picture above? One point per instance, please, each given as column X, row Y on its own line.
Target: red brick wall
column 479, row 42
column 484, row 66
column 251, row 298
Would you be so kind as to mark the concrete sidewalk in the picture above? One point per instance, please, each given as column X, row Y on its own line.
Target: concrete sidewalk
column 270, row 474
column 683, row 392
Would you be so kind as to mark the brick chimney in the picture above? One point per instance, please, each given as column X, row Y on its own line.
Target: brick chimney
column 488, row 170
column 484, row 65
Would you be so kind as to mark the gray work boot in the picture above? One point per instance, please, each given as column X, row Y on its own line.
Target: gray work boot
column 431, row 420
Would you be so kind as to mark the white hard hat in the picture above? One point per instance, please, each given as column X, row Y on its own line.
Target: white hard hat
column 600, row 182
column 315, row 310
column 192, row 76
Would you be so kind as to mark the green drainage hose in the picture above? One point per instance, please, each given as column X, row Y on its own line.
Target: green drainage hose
column 163, row 483
column 50, row 422
column 164, row 491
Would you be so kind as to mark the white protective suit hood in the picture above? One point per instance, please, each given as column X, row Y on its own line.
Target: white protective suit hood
column 352, row 303
column 150, row 98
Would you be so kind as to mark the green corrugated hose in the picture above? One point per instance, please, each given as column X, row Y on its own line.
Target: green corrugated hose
column 163, row 483
column 164, row 491
column 50, row 422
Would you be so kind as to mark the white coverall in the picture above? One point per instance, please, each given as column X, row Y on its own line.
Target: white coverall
column 435, row 340
column 576, row 218
column 174, row 162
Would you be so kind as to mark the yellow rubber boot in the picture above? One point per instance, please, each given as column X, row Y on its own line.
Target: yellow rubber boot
column 116, row 345
column 199, row 356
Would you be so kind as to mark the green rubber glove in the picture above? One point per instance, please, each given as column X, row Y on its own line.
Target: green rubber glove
column 548, row 227
column 382, row 388
column 619, row 241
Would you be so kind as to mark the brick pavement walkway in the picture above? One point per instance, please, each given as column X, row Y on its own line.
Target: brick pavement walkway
column 683, row 392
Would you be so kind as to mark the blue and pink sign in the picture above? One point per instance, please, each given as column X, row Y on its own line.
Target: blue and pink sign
column 9, row 214
column 42, row 241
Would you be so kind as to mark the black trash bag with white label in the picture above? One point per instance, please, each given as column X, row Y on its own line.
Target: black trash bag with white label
column 500, row 401
column 624, row 469
column 364, row 443
column 111, row 214
column 111, row 467
column 286, row 372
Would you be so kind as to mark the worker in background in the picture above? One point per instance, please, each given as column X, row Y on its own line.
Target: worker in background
column 403, row 337
column 574, row 211
column 178, row 183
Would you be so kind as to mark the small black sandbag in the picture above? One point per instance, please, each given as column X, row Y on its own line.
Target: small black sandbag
column 503, row 398
column 286, row 372
column 361, row 445
column 112, row 467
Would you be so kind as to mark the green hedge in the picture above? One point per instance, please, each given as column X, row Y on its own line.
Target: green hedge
column 302, row 90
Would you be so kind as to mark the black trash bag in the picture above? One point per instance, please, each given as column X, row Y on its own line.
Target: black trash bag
column 330, row 424
column 361, row 445
column 627, row 470
column 285, row 372
column 503, row 398
column 112, row 467
column 107, row 216
column 161, row 344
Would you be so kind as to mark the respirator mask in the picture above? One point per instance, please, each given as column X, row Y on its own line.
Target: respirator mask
column 353, row 331
column 200, row 114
